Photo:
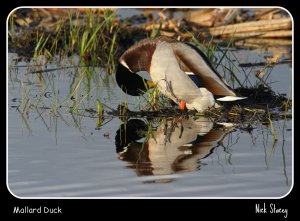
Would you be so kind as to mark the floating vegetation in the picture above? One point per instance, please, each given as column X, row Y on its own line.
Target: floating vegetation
column 262, row 106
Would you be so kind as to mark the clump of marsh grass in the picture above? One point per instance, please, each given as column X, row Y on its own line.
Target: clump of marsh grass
column 92, row 34
column 93, row 38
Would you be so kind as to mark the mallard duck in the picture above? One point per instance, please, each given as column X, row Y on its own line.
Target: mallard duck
column 179, row 70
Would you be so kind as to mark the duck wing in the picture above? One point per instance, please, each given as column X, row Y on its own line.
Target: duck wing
column 191, row 59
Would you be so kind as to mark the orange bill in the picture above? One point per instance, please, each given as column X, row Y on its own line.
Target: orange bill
column 150, row 84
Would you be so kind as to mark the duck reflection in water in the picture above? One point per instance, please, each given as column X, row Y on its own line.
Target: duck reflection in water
column 167, row 146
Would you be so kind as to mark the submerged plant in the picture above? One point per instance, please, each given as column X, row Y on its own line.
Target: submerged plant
column 100, row 113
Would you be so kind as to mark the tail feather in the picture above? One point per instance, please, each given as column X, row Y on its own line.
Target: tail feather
column 230, row 98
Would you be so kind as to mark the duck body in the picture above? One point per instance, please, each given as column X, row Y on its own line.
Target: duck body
column 168, row 61
column 174, row 83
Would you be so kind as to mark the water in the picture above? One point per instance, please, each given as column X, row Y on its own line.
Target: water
column 53, row 153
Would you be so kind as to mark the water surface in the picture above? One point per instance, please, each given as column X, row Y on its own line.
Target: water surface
column 55, row 153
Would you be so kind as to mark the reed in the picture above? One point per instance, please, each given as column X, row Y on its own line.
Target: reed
column 40, row 48
column 100, row 113
column 211, row 50
column 273, row 130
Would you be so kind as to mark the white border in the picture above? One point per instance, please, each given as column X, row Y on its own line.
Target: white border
column 134, row 7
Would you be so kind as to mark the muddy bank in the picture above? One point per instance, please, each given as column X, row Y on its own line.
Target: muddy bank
column 219, row 24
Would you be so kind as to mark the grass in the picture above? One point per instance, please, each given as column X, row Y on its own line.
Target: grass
column 211, row 49
column 273, row 130
column 41, row 54
column 92, row 35
column 95, row 41
column 100, row 112
column 153, row 99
